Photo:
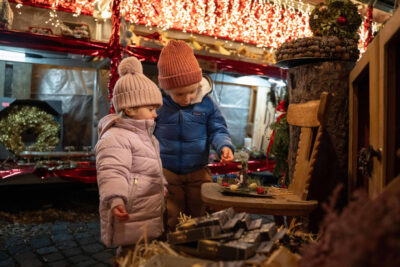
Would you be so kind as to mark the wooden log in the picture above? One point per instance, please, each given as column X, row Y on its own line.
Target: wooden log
column 305, row 83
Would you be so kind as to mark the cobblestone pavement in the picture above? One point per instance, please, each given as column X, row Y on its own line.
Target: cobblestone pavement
column 55, row 244
column 55, row 225
column 40, row 236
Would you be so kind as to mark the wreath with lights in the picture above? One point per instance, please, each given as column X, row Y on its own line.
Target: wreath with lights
column 335, row 17
column 22, row 119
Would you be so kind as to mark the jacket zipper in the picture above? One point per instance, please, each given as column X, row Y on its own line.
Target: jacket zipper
column 180, row 143
column 161, row 176
column 132, row 194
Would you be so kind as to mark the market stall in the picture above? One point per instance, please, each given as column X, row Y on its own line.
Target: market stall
column 255, row 52
column 84, row 46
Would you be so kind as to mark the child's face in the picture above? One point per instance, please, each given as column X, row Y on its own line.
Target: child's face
column 142, row 113
column 183, row 96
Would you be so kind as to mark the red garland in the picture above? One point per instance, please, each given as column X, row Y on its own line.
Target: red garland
column 281, row 108
column 114, row 50
column 368, row 25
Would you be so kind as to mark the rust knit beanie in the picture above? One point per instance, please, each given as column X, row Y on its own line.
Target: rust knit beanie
column 133, row 89
column 177, row 66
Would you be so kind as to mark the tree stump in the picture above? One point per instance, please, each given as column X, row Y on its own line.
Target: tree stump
column 307, row 82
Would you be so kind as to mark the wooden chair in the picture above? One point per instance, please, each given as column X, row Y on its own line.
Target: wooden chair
column 284, row 202
column 393, row 187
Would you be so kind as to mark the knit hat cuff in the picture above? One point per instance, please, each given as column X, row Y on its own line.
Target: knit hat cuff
column 180, row 80
column 137, row 98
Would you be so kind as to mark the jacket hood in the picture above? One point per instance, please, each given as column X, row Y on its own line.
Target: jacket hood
column 113, row 120
column 205, row 89
column 106, row 123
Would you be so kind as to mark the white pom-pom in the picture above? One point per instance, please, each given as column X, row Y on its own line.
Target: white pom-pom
column 130, row 65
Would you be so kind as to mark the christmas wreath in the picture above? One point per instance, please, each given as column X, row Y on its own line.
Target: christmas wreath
column 23, row 119
column 337, row 17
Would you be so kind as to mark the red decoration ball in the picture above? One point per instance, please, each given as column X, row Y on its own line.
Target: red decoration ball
column 224, row 184
column 260, row 190
column 341, row 20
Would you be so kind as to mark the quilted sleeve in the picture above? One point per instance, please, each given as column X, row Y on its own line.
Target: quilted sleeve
column 113, row 163
column 217, row 130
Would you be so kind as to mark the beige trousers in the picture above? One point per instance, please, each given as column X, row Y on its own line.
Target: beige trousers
column 184, row 194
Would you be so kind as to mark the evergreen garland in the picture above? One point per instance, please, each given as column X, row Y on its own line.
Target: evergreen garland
column 280, row 147
column 280, row 143
column 336, row 17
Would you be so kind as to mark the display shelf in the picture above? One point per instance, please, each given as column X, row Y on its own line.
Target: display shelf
column 51, row 43
column 61, row 44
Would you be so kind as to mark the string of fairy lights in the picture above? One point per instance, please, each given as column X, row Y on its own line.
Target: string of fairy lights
column 259, row 22
column 53, row 17
column 263, row 23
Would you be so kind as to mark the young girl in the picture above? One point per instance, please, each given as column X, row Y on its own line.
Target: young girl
column 129, row 170
column 187, row 124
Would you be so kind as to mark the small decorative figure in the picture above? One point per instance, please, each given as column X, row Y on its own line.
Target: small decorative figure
column 243, row 157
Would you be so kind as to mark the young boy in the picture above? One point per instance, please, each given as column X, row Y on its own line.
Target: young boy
column 187, row 124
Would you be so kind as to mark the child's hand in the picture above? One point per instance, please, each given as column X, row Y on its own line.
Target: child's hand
column 165, row 192
column 120, row 213
column 226, row 155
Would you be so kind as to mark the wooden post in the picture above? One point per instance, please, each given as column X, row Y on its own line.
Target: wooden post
column 114, row 50
column 307, row 82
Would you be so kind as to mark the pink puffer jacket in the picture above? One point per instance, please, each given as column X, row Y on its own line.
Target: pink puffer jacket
column 129, row 172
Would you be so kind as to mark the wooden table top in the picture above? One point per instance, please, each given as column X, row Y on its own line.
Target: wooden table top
column 282, row 202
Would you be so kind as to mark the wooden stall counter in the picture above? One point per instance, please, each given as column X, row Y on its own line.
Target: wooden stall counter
column 281, row 201
column 291, row 201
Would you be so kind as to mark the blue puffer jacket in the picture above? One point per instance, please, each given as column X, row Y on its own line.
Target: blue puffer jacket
column 186, row 133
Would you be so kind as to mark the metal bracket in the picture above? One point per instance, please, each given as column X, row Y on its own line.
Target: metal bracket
column 365, row 159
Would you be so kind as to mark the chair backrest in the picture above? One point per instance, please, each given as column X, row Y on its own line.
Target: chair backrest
column 392, row 187
column 308, row 116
